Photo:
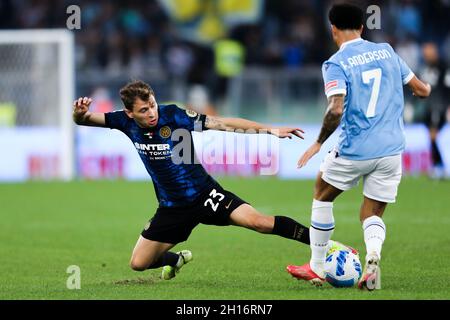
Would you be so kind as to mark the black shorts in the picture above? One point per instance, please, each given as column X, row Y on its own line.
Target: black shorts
column 175, row 224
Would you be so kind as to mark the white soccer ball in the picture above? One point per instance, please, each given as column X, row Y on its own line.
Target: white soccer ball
column 342, row 269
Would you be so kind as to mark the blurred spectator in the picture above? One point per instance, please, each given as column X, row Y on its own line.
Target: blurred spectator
column 137, row 62
column 254, row 45
column 198, row 100
column 114, row 58
column 133, row 22
column 409, row 50
column 153, row 54
column 101, row 100
column 179, row 58
column 7, row 20
column 138, row 37
column 446, row 49
column 301, row 38
column 409, row 20
column 436, row 73
column 34, row 14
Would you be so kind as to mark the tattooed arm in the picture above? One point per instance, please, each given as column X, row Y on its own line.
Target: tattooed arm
column 330, row 123
column 231, row 124
column 247, row 126
column 332, row 117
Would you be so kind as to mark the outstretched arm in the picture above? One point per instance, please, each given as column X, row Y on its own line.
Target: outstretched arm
column 82, row 116
column 233, row 124
column 330, row 123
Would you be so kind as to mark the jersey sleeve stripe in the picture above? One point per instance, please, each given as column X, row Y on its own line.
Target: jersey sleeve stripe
column 336, row 91
column 408, row 78
column 331, row 84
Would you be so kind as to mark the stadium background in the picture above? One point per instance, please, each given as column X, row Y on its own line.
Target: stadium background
column 255, row 59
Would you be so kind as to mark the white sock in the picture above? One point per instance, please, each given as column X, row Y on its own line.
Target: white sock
column 322, row 227
column 180, row 261
column 374, row 234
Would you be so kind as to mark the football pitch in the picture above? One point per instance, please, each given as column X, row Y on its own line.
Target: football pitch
column 47, row 227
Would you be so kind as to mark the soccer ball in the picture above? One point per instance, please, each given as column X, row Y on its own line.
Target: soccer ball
column 342, row 269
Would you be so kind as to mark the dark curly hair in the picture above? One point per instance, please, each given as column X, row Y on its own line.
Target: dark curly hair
column 346, row 16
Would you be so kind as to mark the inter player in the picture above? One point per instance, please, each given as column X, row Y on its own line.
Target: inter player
column 364, row 86
column 187, row 195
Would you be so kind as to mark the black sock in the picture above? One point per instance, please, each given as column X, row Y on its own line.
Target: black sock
column 167, row 259
column 291, row 229
column 435, row 154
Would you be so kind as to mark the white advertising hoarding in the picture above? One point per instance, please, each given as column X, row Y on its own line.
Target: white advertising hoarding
column 32, row 153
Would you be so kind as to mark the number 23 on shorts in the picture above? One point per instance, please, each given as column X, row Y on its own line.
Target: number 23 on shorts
column 214, row 199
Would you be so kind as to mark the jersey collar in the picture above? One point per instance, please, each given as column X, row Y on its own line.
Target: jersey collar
column 344, row 44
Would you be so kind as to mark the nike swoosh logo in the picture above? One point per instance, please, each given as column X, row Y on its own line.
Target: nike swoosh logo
column 228, row 205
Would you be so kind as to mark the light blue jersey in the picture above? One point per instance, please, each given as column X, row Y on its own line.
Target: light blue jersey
column 371, row 76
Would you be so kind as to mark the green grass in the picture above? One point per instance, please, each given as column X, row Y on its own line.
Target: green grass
column 46, row 227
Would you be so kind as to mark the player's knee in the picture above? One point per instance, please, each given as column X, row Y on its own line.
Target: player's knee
column 138, row 264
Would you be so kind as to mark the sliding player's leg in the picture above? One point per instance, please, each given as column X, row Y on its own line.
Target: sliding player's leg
column 248, row 217
column 149, row 254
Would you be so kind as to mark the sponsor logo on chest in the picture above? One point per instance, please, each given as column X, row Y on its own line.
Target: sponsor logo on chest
column 154, row 151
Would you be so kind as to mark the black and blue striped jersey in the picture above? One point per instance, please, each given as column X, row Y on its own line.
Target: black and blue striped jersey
column 178, row 178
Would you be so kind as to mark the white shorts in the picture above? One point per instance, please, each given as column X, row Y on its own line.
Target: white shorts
column 381, row 176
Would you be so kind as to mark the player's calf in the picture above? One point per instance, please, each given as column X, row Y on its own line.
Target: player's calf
column 139, row 263
column 262, row 223
column 248, row 217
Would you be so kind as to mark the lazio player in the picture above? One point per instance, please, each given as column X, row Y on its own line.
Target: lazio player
column 186, row 193
column 364, row 86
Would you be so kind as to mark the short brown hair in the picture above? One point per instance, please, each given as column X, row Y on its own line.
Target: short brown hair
column 136, row 89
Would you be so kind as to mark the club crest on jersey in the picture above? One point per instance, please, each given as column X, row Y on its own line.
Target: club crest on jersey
column 165, row 132
column 191, row 113
column 149, row 134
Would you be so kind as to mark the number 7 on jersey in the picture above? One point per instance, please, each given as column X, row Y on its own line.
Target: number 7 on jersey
column 367, row 76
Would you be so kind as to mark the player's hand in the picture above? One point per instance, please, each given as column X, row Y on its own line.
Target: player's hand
column 286, row 132
column 308, row 154
column 81, row 106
